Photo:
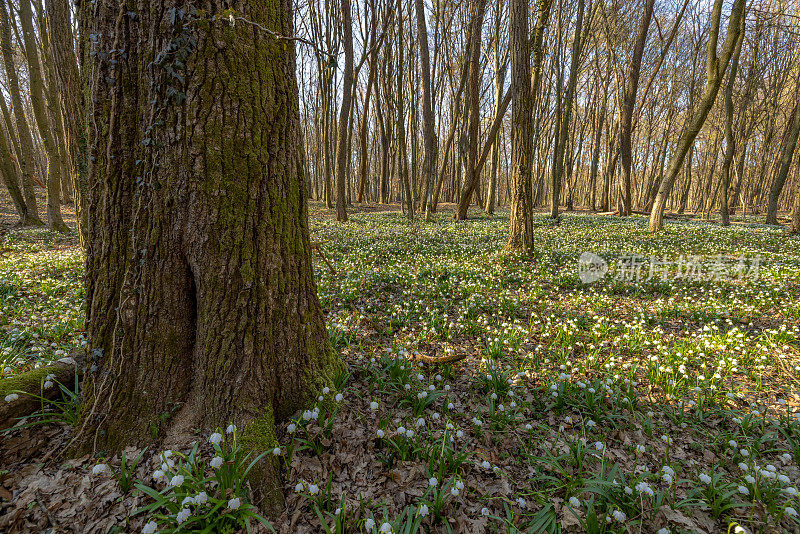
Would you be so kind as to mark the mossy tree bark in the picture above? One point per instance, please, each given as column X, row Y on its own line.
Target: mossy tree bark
column 201, row 303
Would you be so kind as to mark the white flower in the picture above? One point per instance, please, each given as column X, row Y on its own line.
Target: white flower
column 459, row 484
column 369, row 523
column 574, row 501
column 664, row 530
column 299, row 487
column 313, row 489
column 744, row 452
column 183, row 515
column 276, row 451
column 291, row 428
column 215, row 438
column 234, row 503
column 433, row 482
column 150, row 528
column 201, row 498
column 486, row 465
column 176, row 481
column 401, row 430
column 420, row 422
column 743, row 490
column 99, row 469
column 423, row 510
column 791, row 511
column 485, row 512
column 187, row 500
column 373, row 406
column 159, row 475
column 454, row 491
column 230, row 429
column 522, row 502
column 11, row 397
column 339, row 397
column 216, row 462
column 386, row 528
column 705, row 479
column 640, row 449
column 380, row 433
column 644, row 487
column 619, row 515
column 47, row 384
column 326, row 390
column 750, row 479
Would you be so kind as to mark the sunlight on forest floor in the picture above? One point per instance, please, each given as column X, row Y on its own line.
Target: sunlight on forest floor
column 668, row 402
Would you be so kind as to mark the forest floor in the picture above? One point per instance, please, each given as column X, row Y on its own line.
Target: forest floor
column 662, row 397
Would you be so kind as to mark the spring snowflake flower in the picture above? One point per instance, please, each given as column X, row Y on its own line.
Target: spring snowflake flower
column 183, row 515
column 291, row 428
column 750, row 479
column 11, row 397
column 339, row 397
column 299, row 487
column 486, row 465
column 150, row 527
column 373, row 406
column 326, row 390
column 433, row 482
column 369, row 523
column 485, row 512
column 216, row 462
column 401, row 430
column 313, row 489
column 201, row 498
column 791, row 490
column 159, row 475
column 420, row 422
column 386, row 528
column 176, row 481
column 664, row 530
column 640, row 449
column 423, row 510
column 644, row 487
column 454, row 491
column 791, row 511
column 528, row 426
column 705, row 479
column 99, row 469
column 599, row 445
column 743, row 490
column 521, row 502
column 215, row 438
column 574, row 501
column 234, row 503
column 380, row 433
column 619, row 515
column 743, row 466
column 187, row 500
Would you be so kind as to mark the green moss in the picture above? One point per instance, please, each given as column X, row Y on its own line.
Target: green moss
column 259, row 435
column 30, row 381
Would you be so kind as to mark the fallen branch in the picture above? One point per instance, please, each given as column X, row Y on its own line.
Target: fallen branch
column 19, row 394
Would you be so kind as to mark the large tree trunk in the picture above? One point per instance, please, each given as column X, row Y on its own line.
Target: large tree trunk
column 47, row 130
column 524, row 91
column 201, row 301
column 715, row 67
column 794, row 229
column 25, row 153
column 628, row 103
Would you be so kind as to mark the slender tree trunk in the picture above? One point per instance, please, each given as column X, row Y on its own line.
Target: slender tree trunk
column 201, row 300
column 716, row 67
column 628, row 104
column 787, row 155
column 69, row 85
column 9, row 174
column 25, row 153
column 730, row 140
column 342, row 152
column 428, row 141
